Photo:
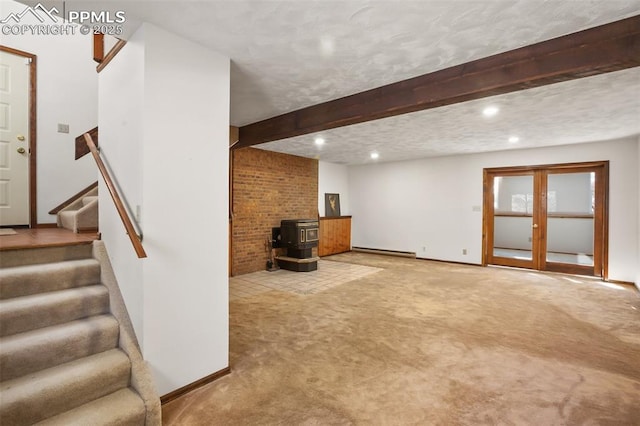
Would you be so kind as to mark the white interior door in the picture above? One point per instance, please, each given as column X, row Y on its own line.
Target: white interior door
column 14, row 140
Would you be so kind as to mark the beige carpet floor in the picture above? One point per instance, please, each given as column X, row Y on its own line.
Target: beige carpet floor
column 429, row 343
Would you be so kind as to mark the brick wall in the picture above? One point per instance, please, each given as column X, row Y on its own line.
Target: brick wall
column 267, row 187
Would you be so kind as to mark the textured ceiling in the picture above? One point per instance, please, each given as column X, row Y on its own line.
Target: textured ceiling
column 603, row 107
column 290, row 54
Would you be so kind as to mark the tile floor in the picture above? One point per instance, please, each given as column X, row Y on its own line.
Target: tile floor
column 329, row 274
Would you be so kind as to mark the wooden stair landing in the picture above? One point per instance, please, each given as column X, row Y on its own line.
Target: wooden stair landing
column 44, row 237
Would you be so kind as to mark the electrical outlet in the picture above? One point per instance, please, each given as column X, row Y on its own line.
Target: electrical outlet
column 63, row 128
column 464, row 252
column 424, row 248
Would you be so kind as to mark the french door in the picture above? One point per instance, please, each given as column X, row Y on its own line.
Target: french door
column 548, row 218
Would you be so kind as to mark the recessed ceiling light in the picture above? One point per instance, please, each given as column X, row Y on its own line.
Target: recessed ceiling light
column 319, row 140
column 375, row 155
column 490, row 111
column 327, row 45
column 514, row 139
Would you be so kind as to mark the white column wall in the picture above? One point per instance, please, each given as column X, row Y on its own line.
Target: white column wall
column 166, row 102
column 67, row 93
column 333, row 179
column 121, row 112
column 185, row 213
column 433, row 207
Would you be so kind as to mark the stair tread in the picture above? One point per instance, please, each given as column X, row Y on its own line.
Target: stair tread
column 23, row 353
column 89, row 199
column 45, row 249
column 74, row 208
column 121, row 408
column 25, row 313
column 82, row 215
column 47, row 393
column 46, row 266
column 39, row 278
column 60, row 357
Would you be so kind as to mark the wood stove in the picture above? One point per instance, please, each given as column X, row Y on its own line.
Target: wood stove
column 299, row 237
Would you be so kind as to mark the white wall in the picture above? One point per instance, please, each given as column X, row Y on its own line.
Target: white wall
column 433, row 206
column 638, row 228
column 165, row 101
column 121, row 95
column 67, row 92
column 333, row 179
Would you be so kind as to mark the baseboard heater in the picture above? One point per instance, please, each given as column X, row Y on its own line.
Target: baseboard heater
column 385, row 252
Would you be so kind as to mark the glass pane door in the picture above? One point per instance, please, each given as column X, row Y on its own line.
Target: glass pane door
column 570, row 221
column 550, row 218
column 513, row 220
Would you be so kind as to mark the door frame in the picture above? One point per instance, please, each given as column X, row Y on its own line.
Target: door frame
column 33, row 111
column 489, row 213
column 540, row 172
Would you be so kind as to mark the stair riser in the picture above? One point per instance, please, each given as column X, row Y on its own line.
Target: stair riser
column 36, row 350
column 121, row 408
column 21, row 314
column 27, row 280
column 60, row 361
column 83, row 217
column 67, row 219
column 55, row 391
column 20, row 257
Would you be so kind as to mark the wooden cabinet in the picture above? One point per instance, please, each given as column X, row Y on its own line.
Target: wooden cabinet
column 335, row 235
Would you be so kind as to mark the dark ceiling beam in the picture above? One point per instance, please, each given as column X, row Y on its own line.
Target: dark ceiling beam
column 598, row 50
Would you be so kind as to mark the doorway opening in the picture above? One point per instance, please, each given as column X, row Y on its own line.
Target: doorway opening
column 547, row 218
column 29, row 60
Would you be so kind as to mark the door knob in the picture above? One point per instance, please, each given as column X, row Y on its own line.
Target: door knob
column 21, row 150
column 20, row 137
column 535, row 225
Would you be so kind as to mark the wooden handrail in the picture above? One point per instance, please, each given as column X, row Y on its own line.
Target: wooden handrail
column 111, row 54
column 81, row 145
column 126, row 220
column 98, row 47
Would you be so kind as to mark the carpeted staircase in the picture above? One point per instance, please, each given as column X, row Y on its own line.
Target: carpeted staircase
column 82, row 214
column 64, row 357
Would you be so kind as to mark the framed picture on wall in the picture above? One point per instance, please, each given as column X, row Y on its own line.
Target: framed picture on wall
column 331, row 204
